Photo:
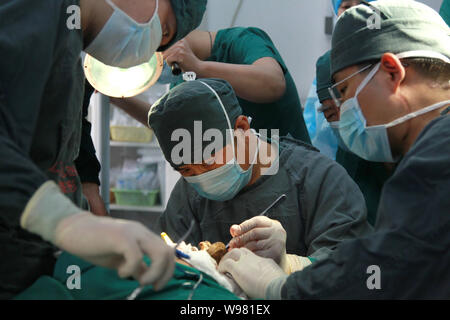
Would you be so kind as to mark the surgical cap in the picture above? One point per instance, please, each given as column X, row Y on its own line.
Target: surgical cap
column 445, row 11
column 323, row 77
column 337, row 3
column 404, row 25
column 189, row 14
column 190, row 102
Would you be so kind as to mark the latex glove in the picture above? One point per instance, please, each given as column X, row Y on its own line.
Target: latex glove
column 257, row 276
column 264, row 236
column 92, row 193
column 117, row 244
column 108, row 242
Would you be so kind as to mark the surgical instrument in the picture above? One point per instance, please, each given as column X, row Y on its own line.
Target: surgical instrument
column 264, row 213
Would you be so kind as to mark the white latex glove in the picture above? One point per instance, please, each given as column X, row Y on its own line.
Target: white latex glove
column 264, row 236
column 117, row 244
column 267, row 238
column 112, row 243
column 257, row 276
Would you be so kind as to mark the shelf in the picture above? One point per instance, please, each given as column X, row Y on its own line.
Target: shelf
column 152, row 144
column 116, row 207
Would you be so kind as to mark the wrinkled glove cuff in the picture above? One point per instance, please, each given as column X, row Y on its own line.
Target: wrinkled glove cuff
column 293, row 263
column 46, row 208
column 273, row 291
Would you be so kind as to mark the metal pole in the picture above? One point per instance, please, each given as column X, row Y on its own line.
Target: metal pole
column 104, row 148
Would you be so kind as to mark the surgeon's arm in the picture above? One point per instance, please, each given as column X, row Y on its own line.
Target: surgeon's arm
column 334, row 207
column 135, row 107
column 87, row 164
column 262, row 81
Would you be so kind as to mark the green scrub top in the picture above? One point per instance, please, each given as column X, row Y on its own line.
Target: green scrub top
column 41, row 91
column 323, row 205
column 445, row 11
column 410, row 243
column 369, row 176
column 245, row 46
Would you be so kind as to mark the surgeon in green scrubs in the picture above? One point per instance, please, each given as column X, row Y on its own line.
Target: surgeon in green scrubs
column 369, row 176
column 250, row 62
column 41, row 91
column 394, row 91
column 226, row 180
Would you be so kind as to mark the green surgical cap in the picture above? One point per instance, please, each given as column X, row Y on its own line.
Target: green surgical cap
column 445, row 11
column 183, row 108
column 323, row 77
column 189, row 15
column 404, row 25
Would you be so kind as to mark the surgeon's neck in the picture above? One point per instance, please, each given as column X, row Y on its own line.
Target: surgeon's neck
column 421, row 99
column 269, row 156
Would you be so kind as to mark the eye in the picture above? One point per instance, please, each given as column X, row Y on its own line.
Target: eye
column 342, row 91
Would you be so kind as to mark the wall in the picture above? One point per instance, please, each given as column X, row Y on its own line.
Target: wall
column 296, row 27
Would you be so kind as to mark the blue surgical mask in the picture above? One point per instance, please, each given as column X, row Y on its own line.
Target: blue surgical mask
column 334, row 125
column 225, row 182
column 125, row 43
column 371, row 142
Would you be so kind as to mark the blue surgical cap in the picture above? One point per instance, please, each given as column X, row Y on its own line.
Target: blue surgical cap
column 337, row 3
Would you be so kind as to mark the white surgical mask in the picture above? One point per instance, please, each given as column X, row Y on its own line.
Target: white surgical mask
column 125, row 43
column 225, row 182
column 371, row 142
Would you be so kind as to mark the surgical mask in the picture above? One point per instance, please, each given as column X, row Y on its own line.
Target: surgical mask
column 334, row 125
column 372, row 143
column 225, row 182
column 125, row 43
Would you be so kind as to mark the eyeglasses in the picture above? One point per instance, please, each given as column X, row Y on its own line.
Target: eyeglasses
column 334, row 93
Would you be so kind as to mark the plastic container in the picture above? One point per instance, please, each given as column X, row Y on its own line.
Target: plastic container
column 131, row 134
column 140, row 198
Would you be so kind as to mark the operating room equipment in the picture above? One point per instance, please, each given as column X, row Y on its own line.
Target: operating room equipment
column 123, row 82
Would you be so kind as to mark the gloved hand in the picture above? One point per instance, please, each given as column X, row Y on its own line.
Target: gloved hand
column 104, row 241
column 267, row 238
column 264, row 236
column 117, row 244
column 260, row 278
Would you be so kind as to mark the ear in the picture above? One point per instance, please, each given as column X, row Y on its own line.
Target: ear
column 242, row 123
column 393, row 66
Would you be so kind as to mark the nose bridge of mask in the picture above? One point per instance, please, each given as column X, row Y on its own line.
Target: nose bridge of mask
column 116, row 8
